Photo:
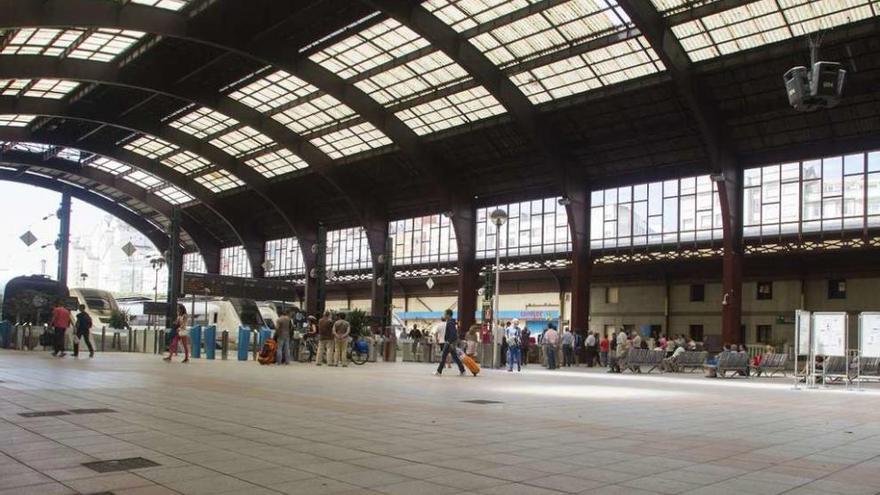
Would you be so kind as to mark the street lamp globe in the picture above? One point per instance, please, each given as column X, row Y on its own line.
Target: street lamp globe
column 499, row 217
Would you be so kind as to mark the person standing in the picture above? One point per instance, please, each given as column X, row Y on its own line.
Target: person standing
column 513, row 334
column 60, row 322
column 283, row 328
column 341, row 330
column 567, row 348
column 181, row 324
column 416, row 335
column 604, row 345
column 591, row 349
column 83, row 330
column 325, row 339
column 524, row 343
column 311, row 338
column 450, row 338
column 472, row 339
column 551, row 341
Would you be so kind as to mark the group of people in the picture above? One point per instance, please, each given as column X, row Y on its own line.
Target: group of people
column 61, row 321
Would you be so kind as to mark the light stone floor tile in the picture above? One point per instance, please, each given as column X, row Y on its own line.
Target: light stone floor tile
column 217, row 427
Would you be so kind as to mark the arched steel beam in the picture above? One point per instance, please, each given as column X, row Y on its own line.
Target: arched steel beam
column 485, row 73
column 85, row 13
column 40, row 67
column 154, row 233
column 122, row 155
column 204, row 241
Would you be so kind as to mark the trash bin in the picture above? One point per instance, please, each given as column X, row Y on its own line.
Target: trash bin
column 196, row 335
column 210, row 341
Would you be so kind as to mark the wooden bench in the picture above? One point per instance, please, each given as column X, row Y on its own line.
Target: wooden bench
column 730, row 362
column 771, row 364
column 689, row 360
column 637, row 358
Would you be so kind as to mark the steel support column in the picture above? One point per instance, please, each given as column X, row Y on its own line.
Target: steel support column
column 730, row 197
column 63, row 237
column 175, row 266
column 319, row 261
column 464, row 222
column 578, row 209
column 211, row 258
column 377, row 238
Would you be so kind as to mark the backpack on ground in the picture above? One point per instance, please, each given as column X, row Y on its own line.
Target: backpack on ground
column 267, row 353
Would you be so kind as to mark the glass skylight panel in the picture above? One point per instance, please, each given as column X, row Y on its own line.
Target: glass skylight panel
column 369, row 48
column 315, row 114
column 430, row 72
column 550, row 30
column 43, row 88
column 601, row 67
column 351, row 140
column 26, row 147
column 14, row 120
column 173, row 195
column 763, row 22
column 451, row 111
column 143, row 179
column 273, row 91
column 242, row 141
column 163, row 4
column 70, row 154
column 150, row 147
column 104, row 45
column 109, row 166
column 41, row 41
column 668, row 7
column 203, row 122
column 219, row 180
column 467, row 14
column 277, row 162
column 186, row 162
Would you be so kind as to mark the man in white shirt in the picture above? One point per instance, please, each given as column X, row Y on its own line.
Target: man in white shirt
column 670, row 362
column 621, row 341
column 551, row 342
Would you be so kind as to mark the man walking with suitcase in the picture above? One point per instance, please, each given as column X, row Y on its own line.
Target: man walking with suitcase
column 450, row 338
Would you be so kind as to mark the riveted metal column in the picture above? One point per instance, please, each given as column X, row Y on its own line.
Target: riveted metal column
column 256, row 253
column 63, row 238
column 464, row 222
column 175, row 266
column 730, row 197
column 320, row 272
column 377, row 238
column 578, row 209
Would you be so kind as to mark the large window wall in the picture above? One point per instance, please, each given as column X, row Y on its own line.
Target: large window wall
column 823, row 195
column 429, row 239
column 284, row 257
column 668, row 212
column 533, row 228
column 348, row 249
column 193, row 262
column 234, row 262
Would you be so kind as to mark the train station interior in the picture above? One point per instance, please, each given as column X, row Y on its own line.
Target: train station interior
column 440, row 247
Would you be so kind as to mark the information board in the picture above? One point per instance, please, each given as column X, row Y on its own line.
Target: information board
column 155, row 308
column 205, row 284
column 869, row 334
column 802, row 331
column 829, row 334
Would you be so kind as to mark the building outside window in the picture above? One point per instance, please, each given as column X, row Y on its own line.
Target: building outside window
column 672, row 211
column 837, row 289
column 612, row 295
column 537, row 227
column 194, row 263
column 234, row 262
column 696, row 332
column 764, row 291
column 764, row 334
column 822, row 195
column 428, row 239
column 698, row 292
column 284, row 257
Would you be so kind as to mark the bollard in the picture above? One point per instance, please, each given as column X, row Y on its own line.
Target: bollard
column 244, row 337
column 256, row 348
column 103, row 337
column 145, row 341
column 130, row 340
column 156, row 341
column 195, row 335
column 224, row 345
column 210, row 341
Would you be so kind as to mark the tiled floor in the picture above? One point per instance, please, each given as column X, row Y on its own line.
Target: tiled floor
column 229, row 427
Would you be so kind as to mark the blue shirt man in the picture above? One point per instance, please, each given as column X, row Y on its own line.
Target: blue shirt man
column 450, row 337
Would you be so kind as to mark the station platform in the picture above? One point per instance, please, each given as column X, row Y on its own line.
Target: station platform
column 392, row 428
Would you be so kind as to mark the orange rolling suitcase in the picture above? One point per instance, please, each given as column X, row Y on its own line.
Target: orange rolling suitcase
column 469, row 362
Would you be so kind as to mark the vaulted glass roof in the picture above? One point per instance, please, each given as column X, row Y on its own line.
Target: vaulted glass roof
column 203, row 122
column 422, row 75
column 40, row 88
column 242, row 141
column 461, row 108
column 766, row 21
column 351, row 140
column 277, row 89
column 186, row 162
column 163, row 4
column 274, row 163
column 150, row 146
column 15, row 120
column 102, row 45
column 109, row 165
column 315, row 114
column 219, row 180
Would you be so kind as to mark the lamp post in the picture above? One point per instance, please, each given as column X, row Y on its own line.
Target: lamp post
column 499, row 217
column 157, row 263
